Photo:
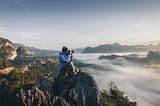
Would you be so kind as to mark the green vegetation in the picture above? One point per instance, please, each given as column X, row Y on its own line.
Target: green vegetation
column 10, row 83
column 4, row 63
column 45, row 65
column 4, row 54
column 115, row 97
column 6, row 51
column 14, row 80
column 17, row 78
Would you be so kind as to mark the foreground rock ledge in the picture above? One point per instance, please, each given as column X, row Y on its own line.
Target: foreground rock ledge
column 77, row 90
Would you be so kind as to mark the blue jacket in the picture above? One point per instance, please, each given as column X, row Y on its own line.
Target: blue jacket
column 64, row 58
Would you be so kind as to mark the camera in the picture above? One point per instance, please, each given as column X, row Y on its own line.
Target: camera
column 70, row 51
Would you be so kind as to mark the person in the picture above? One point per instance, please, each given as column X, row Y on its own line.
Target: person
column 65, row 59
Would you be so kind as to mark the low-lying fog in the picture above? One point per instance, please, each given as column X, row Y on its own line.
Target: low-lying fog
column 139, row 83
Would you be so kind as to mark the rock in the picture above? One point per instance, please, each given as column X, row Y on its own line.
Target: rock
column 23, row 52
column 78, row 90
column 59, row 101
column 7, row 49
column 37, row 94
column 111, row 57
column 153, row 56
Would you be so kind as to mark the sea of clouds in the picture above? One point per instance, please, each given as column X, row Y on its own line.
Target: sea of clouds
column 139, row 83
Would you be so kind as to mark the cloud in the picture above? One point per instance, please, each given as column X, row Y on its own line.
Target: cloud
column 3, row 30
column 139, row 83
column 28, row 35
column 6, row 33
column 27, row 38
column 138, row 25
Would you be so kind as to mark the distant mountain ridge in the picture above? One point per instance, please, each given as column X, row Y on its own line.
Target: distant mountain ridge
column 38, row 52
column 117, row 48
column 152, row 58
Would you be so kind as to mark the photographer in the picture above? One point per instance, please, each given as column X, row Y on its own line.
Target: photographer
column 66, row 64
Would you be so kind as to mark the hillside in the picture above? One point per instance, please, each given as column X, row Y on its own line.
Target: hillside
column 7, row 53
column 37, row 52
column 7, row 49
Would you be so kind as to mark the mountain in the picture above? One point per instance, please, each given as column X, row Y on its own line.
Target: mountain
column 78, row 50
column 23, row 52
column 7, row 49
column 108, row 48
column 118, row 48
column 37, row 81
column 152, row 58
column 7, row 54
column 78, row 90
column 37, row 52
column 149, row 47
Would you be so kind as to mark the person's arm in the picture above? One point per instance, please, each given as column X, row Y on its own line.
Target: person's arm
column 71, row 57
column 63, row 58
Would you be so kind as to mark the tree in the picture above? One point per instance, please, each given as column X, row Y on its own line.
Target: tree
column 115, row 97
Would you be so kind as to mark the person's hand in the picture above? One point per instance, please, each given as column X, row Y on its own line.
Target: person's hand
column 71, row 53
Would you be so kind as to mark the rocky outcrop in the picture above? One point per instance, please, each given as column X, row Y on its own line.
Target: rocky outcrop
column 7, row 49
column 38, row 52
column 77, row 90
column 23, row 52
column 6, row 70
column 153, row 56
column 111, row 57
column 36, row 94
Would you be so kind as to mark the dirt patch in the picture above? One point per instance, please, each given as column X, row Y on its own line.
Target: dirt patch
column 6, row 70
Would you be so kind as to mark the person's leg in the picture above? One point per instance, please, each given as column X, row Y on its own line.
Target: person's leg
column 72, row 66
column 64, row 69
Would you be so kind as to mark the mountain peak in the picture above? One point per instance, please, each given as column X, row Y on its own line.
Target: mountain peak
column 22, row 52
column 7, row 49
column 116, row 44
column 77, row 90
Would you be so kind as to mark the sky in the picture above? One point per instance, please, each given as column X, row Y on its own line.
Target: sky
column 50, row 24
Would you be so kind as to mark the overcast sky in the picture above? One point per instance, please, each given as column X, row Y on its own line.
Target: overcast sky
column 50, row 24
